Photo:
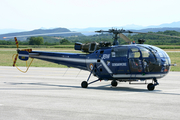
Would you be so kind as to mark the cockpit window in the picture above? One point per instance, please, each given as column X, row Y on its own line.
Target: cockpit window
column 134, row 53
column 146, row 53
column 152, row 48
column 119, row 52
column 162, row 60
column 161, row 54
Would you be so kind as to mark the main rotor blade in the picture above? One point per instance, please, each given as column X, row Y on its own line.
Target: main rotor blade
column 157, row 34
column 40, row 34
column 124, row 38
column 115, row 31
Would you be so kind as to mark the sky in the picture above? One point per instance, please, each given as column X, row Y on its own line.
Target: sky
column 35, row 14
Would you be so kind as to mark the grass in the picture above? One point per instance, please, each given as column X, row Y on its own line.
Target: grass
column 175, row 58
column 6, row 58
column 168, row 46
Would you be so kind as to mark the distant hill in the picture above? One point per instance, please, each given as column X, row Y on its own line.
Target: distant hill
column 156, row 29
column 172, row 25
column 153, row 28
column 162, row 29
column 39, row 31
column 85, row 31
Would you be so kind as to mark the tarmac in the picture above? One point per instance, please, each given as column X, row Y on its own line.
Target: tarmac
column 56, row 94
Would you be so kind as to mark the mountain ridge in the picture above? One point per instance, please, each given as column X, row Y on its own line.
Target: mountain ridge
column 130, row 27
column 38, row 31
column 136, row 28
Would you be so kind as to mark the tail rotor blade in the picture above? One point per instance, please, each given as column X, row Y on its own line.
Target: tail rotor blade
column 17, row 45
column 15, row 59
column 28, row 50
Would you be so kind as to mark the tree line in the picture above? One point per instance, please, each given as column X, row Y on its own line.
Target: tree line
column 158, row 40
column 36, row 41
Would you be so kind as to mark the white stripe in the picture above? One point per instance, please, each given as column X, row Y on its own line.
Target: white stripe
column 103, row 63
column 64, row 59
column 137, row 76
column 91, row 60
column 23, row 55
column 106, row 67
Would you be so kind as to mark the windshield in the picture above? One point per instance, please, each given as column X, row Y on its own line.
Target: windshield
column 155, row 59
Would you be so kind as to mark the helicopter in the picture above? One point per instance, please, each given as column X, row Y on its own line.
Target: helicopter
column 116, row 63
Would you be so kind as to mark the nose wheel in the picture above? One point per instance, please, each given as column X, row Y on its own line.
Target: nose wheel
column 151, row 86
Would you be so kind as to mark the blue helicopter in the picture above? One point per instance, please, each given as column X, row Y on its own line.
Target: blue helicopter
column 117, row 63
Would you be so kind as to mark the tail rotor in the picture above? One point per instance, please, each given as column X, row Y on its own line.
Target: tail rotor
column 20, row 51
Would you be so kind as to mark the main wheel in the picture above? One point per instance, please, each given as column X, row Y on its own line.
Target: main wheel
column 150, row 87
column 114, row 83
column 84, row 84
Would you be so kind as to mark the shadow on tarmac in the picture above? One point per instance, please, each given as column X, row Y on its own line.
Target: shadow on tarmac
column 65, row 87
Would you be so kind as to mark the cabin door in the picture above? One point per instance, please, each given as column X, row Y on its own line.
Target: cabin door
column 119, row 60
column 135, row 61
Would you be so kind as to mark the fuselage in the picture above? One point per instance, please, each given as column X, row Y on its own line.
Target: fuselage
column 122, row 62
column 130, row 62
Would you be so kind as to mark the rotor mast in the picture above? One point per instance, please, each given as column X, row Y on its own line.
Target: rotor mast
column 116, row 33
column 115, row 42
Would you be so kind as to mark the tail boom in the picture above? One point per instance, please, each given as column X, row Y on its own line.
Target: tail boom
column 68, row 59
